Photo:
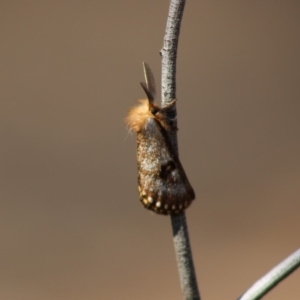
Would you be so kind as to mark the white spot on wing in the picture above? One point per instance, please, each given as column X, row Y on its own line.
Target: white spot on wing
column 150, row 199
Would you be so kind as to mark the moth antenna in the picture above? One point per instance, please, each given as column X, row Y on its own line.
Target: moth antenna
column 148, row 93
column 150, row 82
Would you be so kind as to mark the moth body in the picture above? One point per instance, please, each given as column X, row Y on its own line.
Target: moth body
column 162, row 182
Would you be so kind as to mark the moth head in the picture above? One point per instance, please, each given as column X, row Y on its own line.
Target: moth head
column 140, row 116
column 146, row 112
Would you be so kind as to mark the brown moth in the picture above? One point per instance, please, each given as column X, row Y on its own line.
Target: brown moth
column 162, row 183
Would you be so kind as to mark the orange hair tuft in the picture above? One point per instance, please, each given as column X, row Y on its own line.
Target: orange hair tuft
column 138, row 116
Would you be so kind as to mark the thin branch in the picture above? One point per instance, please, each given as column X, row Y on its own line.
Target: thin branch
column 180, row 231
column 169, row 51
column 169, row 56
column 184, row 258
column 271, row 279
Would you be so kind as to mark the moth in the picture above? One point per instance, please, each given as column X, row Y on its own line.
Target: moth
column 162, row 183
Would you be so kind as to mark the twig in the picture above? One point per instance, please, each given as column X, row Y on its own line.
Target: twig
column 271, row 279
column 184, row 258
column 180, row 231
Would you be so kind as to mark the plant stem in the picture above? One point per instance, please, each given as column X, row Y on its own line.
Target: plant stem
column 180, row 231
column 272, row 278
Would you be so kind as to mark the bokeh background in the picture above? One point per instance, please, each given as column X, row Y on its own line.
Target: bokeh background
column 71, row 224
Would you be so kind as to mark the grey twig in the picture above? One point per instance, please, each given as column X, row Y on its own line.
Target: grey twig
column 180, row 231
column 184, row 258
column 271, row 279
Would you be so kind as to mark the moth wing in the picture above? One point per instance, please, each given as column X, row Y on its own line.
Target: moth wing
column 163, row 184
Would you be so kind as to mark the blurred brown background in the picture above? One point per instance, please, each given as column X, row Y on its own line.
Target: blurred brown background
column 72, row 226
